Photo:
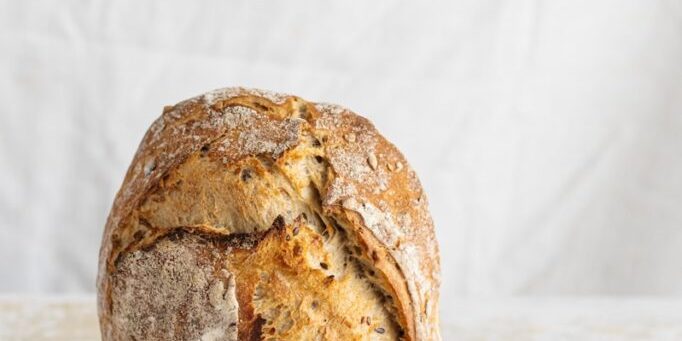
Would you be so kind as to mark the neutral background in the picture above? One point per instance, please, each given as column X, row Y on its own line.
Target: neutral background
column 548, row 134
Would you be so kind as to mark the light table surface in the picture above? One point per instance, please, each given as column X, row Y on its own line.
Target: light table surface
column 75, row 318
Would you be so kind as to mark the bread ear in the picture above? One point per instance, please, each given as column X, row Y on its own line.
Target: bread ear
column 312, row 192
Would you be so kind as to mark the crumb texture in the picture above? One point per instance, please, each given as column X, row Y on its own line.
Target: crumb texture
column 303, row 292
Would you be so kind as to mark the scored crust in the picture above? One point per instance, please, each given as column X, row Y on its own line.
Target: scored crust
column 230, row 163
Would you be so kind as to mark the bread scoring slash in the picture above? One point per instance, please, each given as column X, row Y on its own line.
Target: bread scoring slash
column 251, row 215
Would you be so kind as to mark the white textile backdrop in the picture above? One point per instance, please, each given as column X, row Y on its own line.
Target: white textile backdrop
column 548, row 134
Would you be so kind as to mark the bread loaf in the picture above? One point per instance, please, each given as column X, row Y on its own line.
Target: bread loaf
column 249, row 215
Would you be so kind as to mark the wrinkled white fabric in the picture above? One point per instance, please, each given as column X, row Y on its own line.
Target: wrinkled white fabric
column 547, row 134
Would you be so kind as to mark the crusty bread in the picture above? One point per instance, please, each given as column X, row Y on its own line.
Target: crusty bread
column 249, row 215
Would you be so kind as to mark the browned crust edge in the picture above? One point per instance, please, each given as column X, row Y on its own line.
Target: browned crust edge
column 419, row 313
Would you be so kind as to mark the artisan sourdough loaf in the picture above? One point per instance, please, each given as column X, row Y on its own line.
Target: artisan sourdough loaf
column 250, row 215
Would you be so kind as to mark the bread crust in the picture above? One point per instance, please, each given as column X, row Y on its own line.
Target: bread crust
column 361, row 184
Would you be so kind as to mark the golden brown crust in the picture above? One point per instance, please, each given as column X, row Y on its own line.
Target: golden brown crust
column 267, row 155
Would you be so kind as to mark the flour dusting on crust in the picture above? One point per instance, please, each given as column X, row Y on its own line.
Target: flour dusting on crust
column 366, row 175
column 369, row 191
column 214, row 96
column 165, row 287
